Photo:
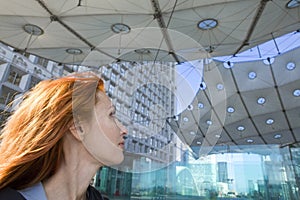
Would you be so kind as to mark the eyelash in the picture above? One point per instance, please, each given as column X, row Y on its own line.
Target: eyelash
column 113, row 114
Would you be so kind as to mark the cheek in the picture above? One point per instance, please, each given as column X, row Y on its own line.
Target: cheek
column 111, row 130
column 102, row 142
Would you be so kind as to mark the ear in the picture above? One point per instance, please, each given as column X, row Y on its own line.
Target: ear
column 77, row 131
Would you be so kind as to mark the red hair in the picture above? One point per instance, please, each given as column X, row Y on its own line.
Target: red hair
column 31, row 146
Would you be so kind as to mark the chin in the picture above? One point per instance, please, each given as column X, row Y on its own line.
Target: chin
column 117, row 158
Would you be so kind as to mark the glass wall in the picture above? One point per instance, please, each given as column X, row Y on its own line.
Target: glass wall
column 244, row 175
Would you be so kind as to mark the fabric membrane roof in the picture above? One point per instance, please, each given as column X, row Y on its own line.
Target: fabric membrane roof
column 169, row 25
column 251, row 103
column 93, row 32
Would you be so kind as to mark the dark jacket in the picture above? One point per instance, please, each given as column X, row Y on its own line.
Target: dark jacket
column 10, row 194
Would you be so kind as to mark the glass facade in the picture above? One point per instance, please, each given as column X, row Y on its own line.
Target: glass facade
column 245, row 175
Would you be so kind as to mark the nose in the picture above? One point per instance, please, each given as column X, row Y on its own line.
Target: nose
column 122, row 128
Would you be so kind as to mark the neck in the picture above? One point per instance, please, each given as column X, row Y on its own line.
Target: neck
column 73, row 175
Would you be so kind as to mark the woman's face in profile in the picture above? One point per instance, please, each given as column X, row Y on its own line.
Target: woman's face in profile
column 105, row 112
column 104, row 133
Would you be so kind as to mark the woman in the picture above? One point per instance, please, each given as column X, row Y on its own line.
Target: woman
column 60, row 135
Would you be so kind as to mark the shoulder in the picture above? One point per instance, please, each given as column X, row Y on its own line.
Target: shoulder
column 94, row 194
column 9, row 193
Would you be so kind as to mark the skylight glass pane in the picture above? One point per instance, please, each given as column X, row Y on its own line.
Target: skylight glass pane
column 240, row 128
column 230, row 109
column 207, row 24
column 277, row 136
column 261, row 100
column 250, row 141
column 120, row 28
column 220, row 86
column 269, row 121
column 200, row 105
column 293, row 4
column 209, row 122
column 286, row 43
column 252, row 75
column 296, row 93
column 290, row 66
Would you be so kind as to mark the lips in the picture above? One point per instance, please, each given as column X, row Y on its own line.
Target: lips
column 121, row 144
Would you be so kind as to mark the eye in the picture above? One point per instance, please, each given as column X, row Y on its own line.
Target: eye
column 113, row 113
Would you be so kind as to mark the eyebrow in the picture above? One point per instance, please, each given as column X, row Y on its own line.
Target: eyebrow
column 112, row 107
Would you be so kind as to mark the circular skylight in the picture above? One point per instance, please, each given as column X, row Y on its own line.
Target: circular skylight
column 240, row 128
column 270, row 121
column 33, row 29
column 293, row 4
column 296, row 93
column 261, row 100
column 209, row 122
column 200, row 105
column 207, row 24
column 120, row 28
column 277, row 136
column 290, row 66
column 74, row 51
column 185, row 119
column 249, row 140
column 230, row 109
column 220, row 86
column 252, row 75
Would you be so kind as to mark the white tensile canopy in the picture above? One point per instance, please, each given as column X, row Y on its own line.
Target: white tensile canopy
column 94, row 32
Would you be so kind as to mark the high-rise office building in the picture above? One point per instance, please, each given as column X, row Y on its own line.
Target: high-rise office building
column 143, row 94
column 222, row 172
column 18, row 73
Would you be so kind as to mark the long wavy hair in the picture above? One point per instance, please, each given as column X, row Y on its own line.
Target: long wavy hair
column 31, row 139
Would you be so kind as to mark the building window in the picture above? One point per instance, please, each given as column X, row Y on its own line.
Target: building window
column 136, row 106
column 120, row 94
column 14, row 78
column 113, row 77
column 118, row 106
column 122, row 71
column 111, row 89
column 7, row 97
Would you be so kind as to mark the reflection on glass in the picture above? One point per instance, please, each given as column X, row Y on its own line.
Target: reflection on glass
column 244, row 172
